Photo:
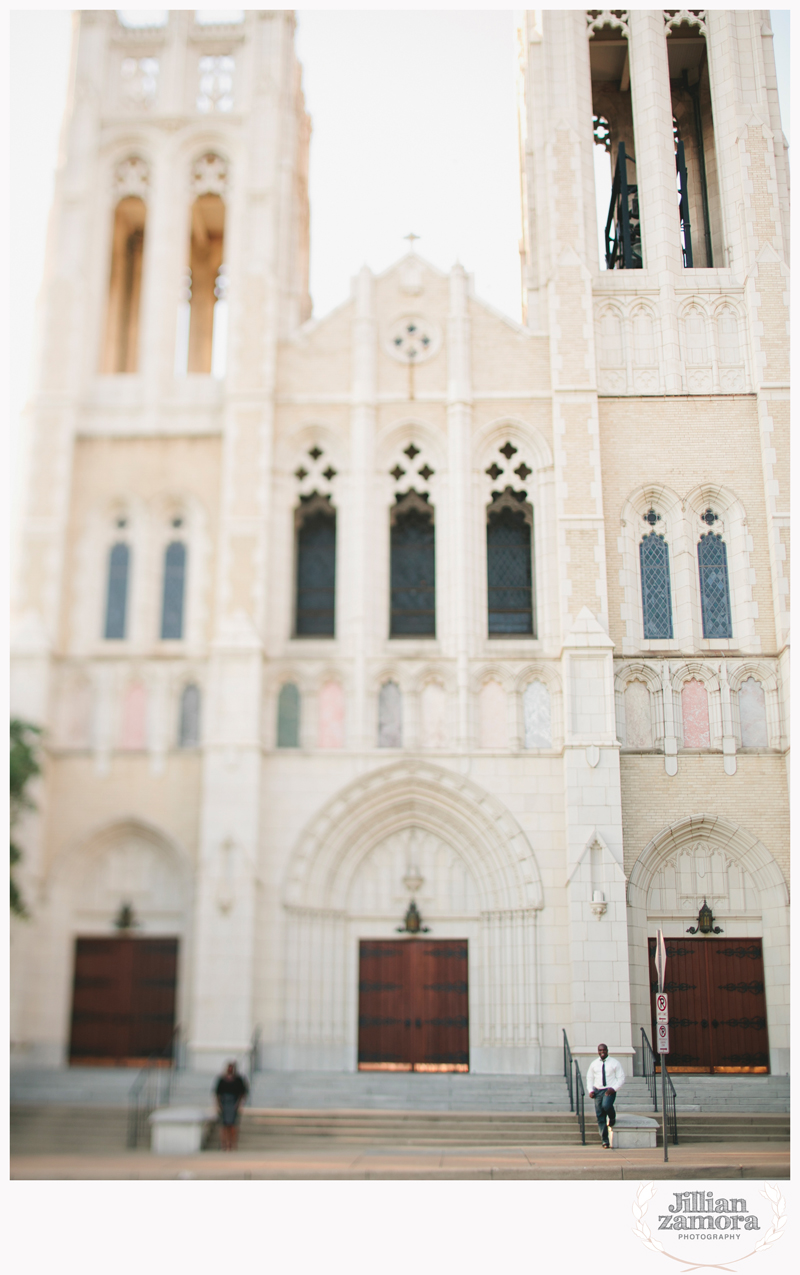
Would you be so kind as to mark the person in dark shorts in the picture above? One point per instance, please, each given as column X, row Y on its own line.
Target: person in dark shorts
column 231, row 1091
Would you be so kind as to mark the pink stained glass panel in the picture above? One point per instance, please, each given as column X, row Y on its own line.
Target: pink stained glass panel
column 134, row 718
column 330, row 732
column 694, row 706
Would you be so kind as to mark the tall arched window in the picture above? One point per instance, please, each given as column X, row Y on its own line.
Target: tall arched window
column 189, row 723
column 207, row 283
column 413, row 568
column 509, row 570
column 289, row 717
column 117, row 592
column 121, row 350
column 715, row 601
column 315, row 608
column 656, row 595
column 174, row 587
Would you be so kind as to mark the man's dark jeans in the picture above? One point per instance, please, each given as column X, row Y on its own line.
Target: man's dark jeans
column 604, row 1106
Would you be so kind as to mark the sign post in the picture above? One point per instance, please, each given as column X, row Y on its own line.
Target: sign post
column 662, row 1027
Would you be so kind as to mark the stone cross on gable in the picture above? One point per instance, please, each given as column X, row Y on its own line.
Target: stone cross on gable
column 411, row 239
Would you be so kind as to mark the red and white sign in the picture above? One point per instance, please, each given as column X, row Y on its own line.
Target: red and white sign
column 662, row 1037
column 662, row 1008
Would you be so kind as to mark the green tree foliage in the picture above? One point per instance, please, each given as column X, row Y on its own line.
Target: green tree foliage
column 23, row 767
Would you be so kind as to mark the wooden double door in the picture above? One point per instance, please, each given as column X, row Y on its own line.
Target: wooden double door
column 413, row 1005
column 717, row 1006
column 123, row 1000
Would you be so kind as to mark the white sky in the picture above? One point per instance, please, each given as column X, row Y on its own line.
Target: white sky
column 414, row 129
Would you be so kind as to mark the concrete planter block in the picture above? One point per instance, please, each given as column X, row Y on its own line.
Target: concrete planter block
column 178, row 1130
column 633, row 1131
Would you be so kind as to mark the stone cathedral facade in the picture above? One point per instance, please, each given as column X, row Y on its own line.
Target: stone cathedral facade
column 411, row 603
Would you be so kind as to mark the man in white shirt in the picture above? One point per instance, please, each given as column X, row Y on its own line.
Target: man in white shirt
column 603, row 1079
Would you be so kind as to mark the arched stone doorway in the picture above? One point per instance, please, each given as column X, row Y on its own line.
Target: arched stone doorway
column 707, row 858
column 348, row 880
column 92, row 970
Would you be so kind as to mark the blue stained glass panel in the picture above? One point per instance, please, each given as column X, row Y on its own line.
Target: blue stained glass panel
column 174, row 584
column 316, row 576
column 656, row 600
column 289, row 717
column 715, row 598
column 413, row 576
column 117, row 596
column 509, row 573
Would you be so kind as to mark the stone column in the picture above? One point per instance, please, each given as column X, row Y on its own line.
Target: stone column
column 655, row 174
column 358, row 562
column 598, row 935
column 459, row 444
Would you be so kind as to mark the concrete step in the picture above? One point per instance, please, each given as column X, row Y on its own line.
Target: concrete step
column 67, row 1129
column 109, row 1087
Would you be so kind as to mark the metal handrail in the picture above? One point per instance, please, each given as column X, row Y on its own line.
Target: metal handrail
column 580, row 1101
column 671, row 1095
column 255, row 1052
column 648, row 1065
column 152, row 1088
column 568, row 1070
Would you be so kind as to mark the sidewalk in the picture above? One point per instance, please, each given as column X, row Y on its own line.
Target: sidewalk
column 590, row 1163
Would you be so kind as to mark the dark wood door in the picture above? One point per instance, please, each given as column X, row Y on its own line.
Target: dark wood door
column 123, row 999
column 717, row 1006
column 413, row 1005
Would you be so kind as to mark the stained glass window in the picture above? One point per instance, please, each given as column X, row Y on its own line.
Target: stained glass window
column 536, row 715
column 316, row 571
column 413, row 569
column 753, row 714
column 656, row 601
column 117, row 596
column 289, row 717
column 712, row 562
column 174, row 582
column 390, row 716
column 509, row 570
column 189, row 726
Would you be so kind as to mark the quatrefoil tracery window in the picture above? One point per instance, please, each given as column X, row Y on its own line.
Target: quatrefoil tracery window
column 413, row 339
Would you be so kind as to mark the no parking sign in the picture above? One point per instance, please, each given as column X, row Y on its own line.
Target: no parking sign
column 662, row 1036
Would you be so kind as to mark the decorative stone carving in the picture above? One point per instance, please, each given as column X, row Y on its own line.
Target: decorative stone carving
column 131, row 178
column 615, row 18
column 210, row 176
column 413, row 339
column 674, row 18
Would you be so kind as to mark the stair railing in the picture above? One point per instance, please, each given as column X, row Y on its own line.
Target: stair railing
column 651, row 1060
column 255, row 1053
column 152, row 1088
column 648, row 1067
column 580, row 1104
column 568, row 1070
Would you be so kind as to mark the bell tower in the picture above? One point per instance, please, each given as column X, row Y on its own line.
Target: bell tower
column 177, row 259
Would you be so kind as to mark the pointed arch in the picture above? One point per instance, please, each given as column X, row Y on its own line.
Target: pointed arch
column 475, row 823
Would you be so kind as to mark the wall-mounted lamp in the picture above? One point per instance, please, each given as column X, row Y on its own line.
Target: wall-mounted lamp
column 705, row 922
